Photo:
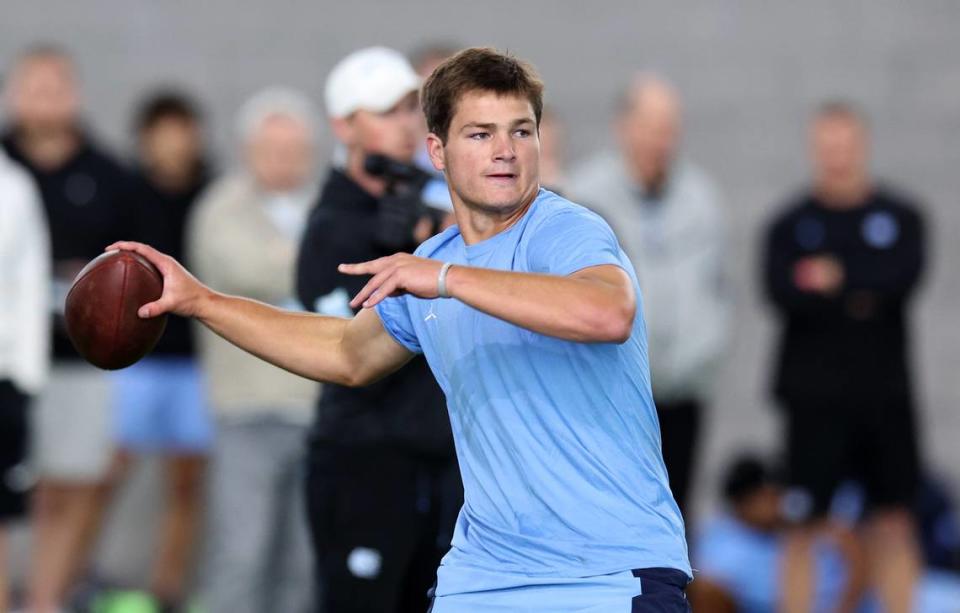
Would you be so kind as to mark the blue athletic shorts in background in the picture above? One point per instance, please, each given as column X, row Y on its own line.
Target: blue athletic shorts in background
column 159, row 406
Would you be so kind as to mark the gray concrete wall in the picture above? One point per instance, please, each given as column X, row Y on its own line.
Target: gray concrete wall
column 749, row 71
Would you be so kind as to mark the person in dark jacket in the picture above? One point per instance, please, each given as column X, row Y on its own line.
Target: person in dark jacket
column 83, row 192
column 841, row 264
column 383, row 486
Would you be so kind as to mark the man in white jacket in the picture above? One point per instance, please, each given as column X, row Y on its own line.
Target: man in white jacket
column 667, row 214
column 24, row 337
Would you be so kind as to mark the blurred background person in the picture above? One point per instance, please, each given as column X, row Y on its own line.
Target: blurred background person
column 243, row 240
column 740, row 552
column 427, row 57
column 82, row 190
column 24, row 340
column 842, row 261
column 159, row 405
column 383, row 486
column 552, row 151
column 668, row 217
column 435, row 192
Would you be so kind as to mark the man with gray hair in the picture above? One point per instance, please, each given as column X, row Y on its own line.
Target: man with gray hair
column 667, row 215
column 244, row 238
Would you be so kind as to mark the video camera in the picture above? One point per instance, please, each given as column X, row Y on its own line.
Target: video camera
column 396, row 173
column 402, row 207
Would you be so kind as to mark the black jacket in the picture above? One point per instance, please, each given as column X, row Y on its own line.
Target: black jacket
column 407, row 408
column 160, row 221
column 852, row 346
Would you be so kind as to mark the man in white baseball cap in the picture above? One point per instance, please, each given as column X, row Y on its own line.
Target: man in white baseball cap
column 382, row 486
column 371, row 99
column 372, row 79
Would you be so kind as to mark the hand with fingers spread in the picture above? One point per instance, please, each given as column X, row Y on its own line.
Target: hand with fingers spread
column 400, row 273
column 182, row 292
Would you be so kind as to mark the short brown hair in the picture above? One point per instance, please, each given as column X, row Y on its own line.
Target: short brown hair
column 165, row 104
column 477, row 69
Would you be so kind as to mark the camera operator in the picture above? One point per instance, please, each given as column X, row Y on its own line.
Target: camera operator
column 383, row 486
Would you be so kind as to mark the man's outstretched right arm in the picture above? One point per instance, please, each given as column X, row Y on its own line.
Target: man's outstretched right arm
column 352, row 352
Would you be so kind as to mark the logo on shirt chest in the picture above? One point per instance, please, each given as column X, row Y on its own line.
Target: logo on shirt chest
column 880, row 230
column 809, row 233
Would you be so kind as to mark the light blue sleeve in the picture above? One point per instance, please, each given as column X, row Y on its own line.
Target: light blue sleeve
column 395, row 315
column 572, row 240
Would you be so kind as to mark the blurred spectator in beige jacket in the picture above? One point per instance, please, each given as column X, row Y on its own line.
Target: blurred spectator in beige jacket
column 243, row 240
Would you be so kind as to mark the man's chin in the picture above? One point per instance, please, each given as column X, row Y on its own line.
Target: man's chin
column 497, row 204
column 499, row 198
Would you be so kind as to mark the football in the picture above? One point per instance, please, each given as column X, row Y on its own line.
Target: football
column 101, row 309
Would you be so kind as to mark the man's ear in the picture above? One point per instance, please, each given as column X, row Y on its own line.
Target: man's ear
column 435, row 150
column 343, row 129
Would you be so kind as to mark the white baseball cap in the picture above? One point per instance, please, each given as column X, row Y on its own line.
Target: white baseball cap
column 373, row 79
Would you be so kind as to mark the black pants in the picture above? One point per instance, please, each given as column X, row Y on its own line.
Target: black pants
column 15, row 480
column 680, row 434
column 380, row 520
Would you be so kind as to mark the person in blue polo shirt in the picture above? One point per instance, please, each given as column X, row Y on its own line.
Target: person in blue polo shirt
column 529, row 315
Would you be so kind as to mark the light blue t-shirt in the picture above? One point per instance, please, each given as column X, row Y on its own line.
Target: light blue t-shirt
column 558, row 441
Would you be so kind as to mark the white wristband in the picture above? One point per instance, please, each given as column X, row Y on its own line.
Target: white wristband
column 442, row 280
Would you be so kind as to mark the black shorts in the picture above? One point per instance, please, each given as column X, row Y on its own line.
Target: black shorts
column 872, row 443
column 14, row 436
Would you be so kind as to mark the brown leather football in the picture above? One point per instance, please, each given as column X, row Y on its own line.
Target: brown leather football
column 101, row 309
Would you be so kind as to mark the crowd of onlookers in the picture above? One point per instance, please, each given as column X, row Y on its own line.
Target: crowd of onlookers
column 846, row 518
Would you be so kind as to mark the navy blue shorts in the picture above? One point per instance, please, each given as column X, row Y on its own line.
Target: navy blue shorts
column 662, row 590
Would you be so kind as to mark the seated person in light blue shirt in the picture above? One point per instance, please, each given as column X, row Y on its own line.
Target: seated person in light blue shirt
column 739, row 555
column 529, row 315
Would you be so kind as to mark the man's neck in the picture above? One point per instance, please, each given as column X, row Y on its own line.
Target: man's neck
column 48, row 150
column 652, row 181
column 478, row 223
column 173, row 181
column 654, row 186
column 842, row 195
